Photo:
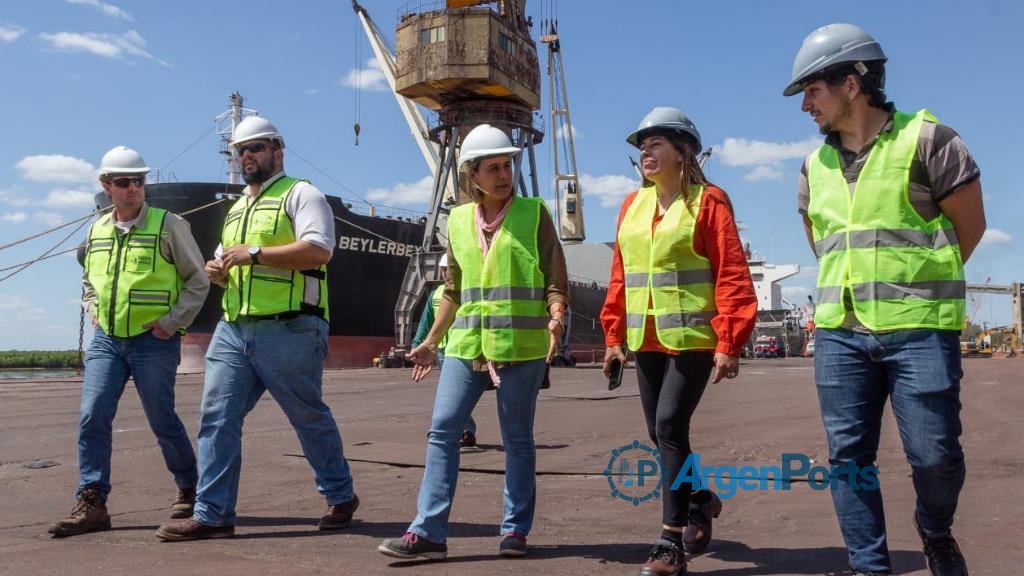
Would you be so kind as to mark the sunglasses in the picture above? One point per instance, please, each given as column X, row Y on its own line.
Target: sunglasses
column 126, row 182
column 254, row 148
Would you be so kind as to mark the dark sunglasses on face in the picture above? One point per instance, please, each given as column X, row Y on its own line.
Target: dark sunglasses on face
column 254, row 148
column 126, row 182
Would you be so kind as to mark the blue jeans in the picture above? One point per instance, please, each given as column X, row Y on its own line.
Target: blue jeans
column 458, row 391
column 920, row 371
column 245, row 358
column 151, row 362
column 470, row 424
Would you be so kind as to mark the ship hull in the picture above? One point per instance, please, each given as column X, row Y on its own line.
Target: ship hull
column 364, row 278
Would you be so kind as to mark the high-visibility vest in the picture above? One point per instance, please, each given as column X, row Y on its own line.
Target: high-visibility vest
column 901, row 271
column 435, row 303
column 258, row 289
column 503, row 315
column 134, row 284
column 664, row 276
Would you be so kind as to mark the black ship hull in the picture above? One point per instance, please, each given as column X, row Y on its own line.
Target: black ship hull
column 365, row 274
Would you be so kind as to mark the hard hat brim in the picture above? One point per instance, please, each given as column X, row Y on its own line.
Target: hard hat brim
column 260, row 136
column 509, row 151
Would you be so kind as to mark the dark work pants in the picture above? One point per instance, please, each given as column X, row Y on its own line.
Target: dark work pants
column 670, row 388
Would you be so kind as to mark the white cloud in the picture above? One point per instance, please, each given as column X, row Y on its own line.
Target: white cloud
column 15, row 307
column 13, row 217
column 64, row 198
column 116, row 46
column 763, row 172
column 560, row 131
column 13, row 198
column 48, row 218
column 56, row 168
column 108, row 9
column 743, row 152
column 369, row 78
column 10, row 33
column 404, row 192
column 611, row 189
column 995, row 237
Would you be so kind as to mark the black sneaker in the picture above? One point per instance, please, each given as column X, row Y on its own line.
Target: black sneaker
column 665, row 559
column 412, row 546
column 513, row 545
column 468, row 439
column 943, row 553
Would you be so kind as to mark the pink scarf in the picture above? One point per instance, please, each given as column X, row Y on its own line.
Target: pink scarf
column 483, row 230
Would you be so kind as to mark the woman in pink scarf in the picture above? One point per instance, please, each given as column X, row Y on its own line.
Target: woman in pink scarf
column 503, row 311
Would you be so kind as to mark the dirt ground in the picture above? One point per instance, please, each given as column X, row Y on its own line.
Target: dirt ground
column 579, row 528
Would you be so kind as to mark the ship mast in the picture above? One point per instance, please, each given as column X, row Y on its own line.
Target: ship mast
column 226, row 129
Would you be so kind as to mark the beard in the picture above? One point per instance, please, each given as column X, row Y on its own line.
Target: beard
column 262, row 173
column 844, row 113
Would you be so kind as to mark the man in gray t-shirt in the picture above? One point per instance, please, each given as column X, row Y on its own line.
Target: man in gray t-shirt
column 891, row 204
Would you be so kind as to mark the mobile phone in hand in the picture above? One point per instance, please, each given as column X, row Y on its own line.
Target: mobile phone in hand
column 615, row 380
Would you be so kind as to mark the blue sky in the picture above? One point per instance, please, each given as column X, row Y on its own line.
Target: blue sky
column 81, row 76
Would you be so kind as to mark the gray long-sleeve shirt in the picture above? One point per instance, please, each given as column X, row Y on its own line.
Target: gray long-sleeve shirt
column 178, row 246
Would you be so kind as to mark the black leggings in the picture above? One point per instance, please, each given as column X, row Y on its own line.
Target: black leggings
column 670, row 388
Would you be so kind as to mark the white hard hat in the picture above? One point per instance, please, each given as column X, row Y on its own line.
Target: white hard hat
column 255, row 128
column 122, row 160
column 443, row 262
column 484, row 141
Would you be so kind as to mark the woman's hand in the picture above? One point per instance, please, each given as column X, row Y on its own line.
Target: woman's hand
column 555, row 328
column 725, row 366
column 612, row 353
column 423, row 357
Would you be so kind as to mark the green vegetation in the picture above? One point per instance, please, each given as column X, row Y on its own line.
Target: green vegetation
column 39, row 359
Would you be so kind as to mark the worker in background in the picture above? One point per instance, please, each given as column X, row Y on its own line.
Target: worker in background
column 680, row 295
column 468, row 438
column 272, row 261
column 144, row 284
column 892, row 208
column 503, row 312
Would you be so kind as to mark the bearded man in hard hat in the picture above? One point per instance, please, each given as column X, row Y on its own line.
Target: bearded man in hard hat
column 892, row 208
column 275, row 245
column 144, row 284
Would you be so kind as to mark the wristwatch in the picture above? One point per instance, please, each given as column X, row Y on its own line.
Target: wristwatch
column 254, row 253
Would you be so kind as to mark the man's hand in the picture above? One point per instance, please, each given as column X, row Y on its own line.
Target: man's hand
column 157, row 330
column 217, row 273
column 611, row 353
column 423, row 358
column 237, row 255
column 725, row 366
column 555, row 328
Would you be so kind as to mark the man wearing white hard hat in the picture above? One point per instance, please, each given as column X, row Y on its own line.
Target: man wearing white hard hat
column 144, row 284
column 275, row 245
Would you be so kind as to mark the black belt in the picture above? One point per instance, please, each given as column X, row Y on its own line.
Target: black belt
column 290, row 315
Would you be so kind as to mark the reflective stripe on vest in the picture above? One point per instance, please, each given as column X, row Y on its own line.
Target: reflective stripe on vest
column 261, row 290
column 901, row 271
column 503, row 316
column 664, row 276
column 134, row 284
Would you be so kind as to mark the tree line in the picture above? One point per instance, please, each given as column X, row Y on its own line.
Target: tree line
column 39, row 359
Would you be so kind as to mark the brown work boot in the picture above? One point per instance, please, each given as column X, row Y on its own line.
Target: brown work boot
column 340, row 515
column 192, row 530
column 89, row 515
column 697, row 535
column 665, row 559
column 183, row 504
